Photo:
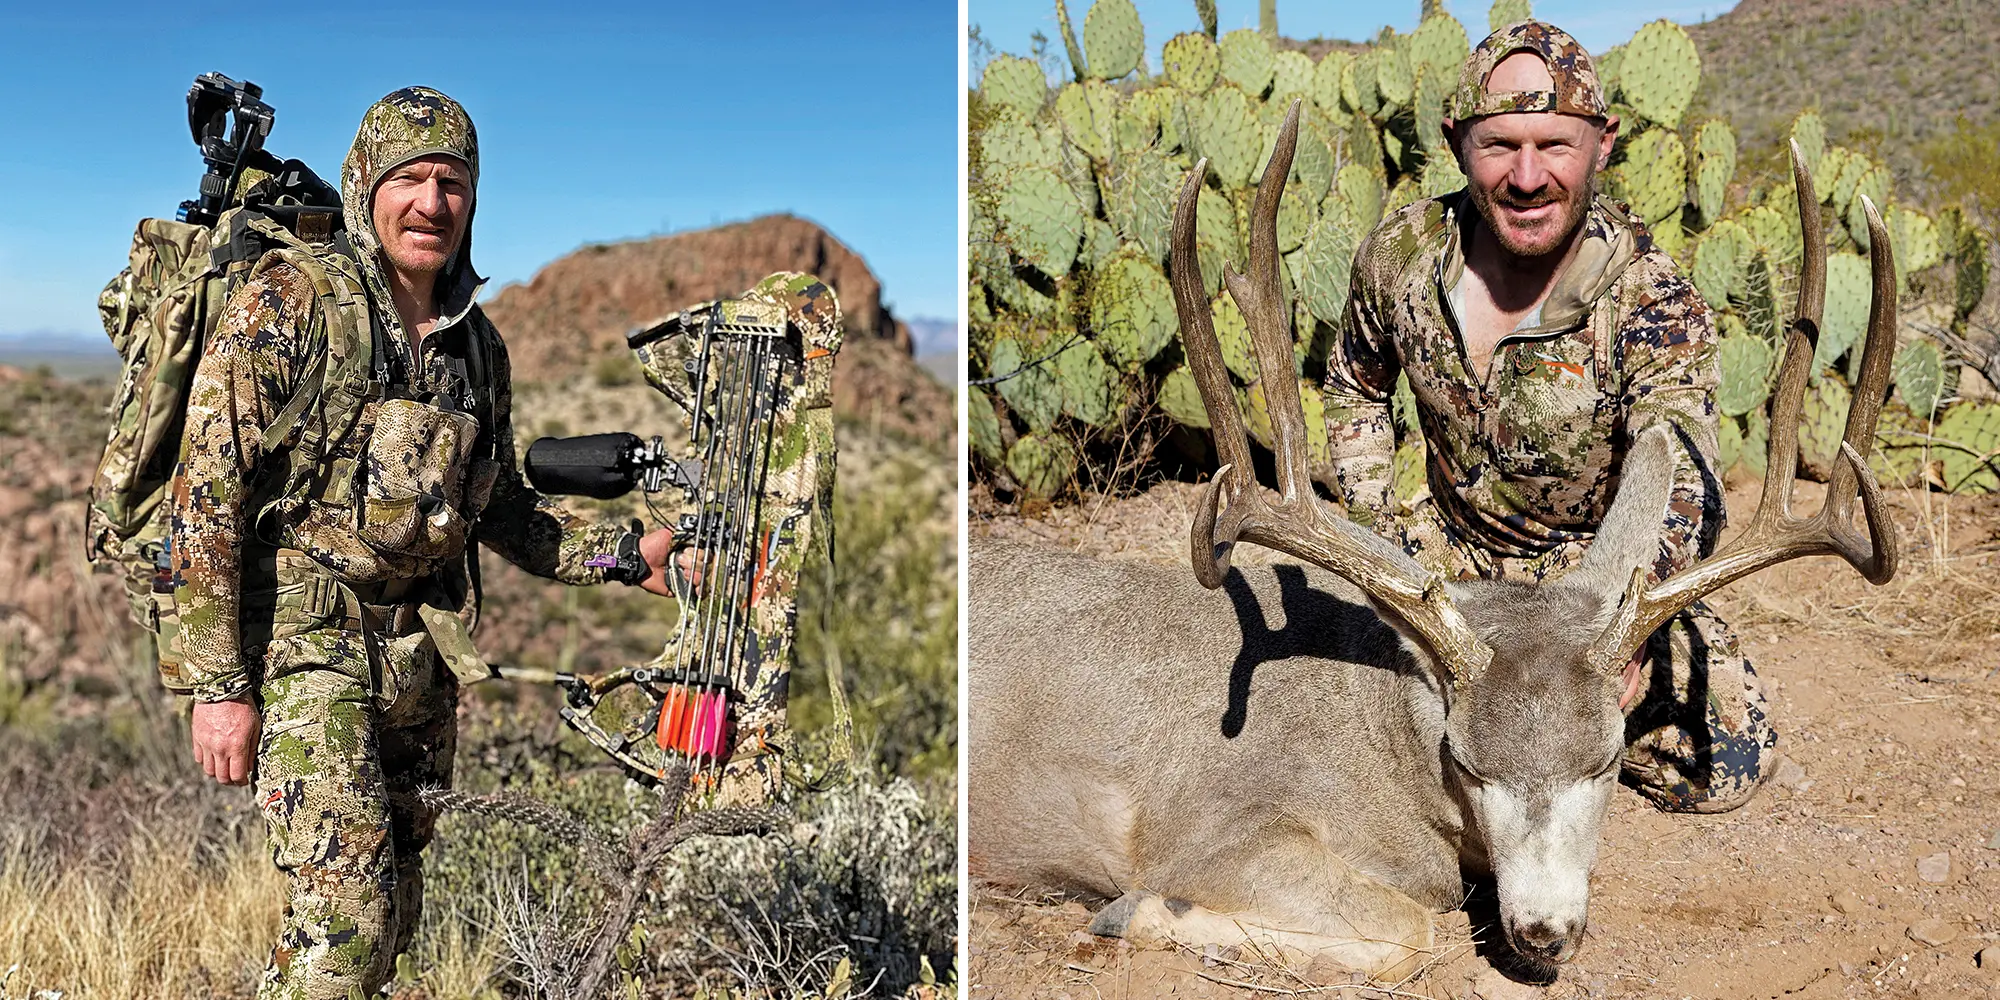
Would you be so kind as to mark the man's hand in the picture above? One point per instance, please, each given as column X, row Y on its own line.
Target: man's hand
column 225, row 739
column 654, row 547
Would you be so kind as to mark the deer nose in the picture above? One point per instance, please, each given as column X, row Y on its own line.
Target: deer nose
column 1545, row 941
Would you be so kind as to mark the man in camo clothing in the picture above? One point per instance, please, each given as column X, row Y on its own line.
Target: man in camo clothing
column 1541, row 330
column 303, row 616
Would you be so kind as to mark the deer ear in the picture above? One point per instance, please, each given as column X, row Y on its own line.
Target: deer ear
column 1629, row 538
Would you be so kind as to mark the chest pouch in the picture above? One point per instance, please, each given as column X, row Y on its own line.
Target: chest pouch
column 419, row 485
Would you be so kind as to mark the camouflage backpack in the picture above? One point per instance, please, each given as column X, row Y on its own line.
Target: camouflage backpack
column 159, row 312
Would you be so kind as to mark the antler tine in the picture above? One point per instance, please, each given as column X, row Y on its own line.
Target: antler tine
column 1775, row 535
column 1296, row 524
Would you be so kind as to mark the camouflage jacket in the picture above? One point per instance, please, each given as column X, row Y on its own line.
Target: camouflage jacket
column 1527, row 458
column 264, row 348
column 252, row 368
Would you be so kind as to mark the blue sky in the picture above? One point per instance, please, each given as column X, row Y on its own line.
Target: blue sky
column 1009, row 25
column 596, row 122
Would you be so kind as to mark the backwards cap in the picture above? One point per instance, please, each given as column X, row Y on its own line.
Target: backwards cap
column 1576, row 92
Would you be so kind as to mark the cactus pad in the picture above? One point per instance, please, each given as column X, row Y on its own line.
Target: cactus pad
column 984, row 425
column 1357, row 85
column 1842, row 169
column 1660, row 72
column 1714, row 263
column 1041, row 219
column 1395, row 78
column 1971, row 261
column 1006, row 144
column 1291, row 76
column 1326, row 86
column 1312, row 162
column 1088, row 112
column 1728, row 443
column 1247, row 61
column 1015, row 84
column 1257, row 420
column 1433, row 86
column 1441, row 176
column 1506, row 12
column 1653, row 178
column 1756, row 442
column 1848, row 285
column 1139, row 119
column 1031, row 391
column 1138, row 192
column 1821, row 425
column 1091, row 390
column 1215, row 237
column 1809, row 131
column 1131, row 309
column 1192, row 61
column 1411, row 480
column 1229, row 134
column 1113, row 39
column 1915, row 238
column 1972, row 459
column 1295, row 213
column 1745, row 364
column 1042, row 464
column 1919, row 370
column 1233, row 333
column 1326, row 260
column 1180, row 399
column 1714, row 165
column 1099, row 241
column 1361, row 188
column 1439, row 45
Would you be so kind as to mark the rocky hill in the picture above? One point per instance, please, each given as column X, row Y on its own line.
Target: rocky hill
column 1887, row 75
column 581, row 305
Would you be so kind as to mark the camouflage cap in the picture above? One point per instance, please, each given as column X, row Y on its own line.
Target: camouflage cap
column 1577, row 91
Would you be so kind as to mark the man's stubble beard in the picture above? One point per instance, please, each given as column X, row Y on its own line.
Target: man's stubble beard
column 1575, row 204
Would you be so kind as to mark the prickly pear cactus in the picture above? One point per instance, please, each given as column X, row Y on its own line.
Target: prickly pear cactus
column 1180, row 399
column 1132, row 309
column 1395, row 78
column 1041, row 220
column 1971, row 455
column 1714, row 165
column 1138, row 190
column 1247, row 61
column 983, row 424
column 1192, row 62
column 1042, row 464
column 1016, row 85
column 1809, row 131
column 1291, row 76
column 1229, row 134
column 1088, row 112
column 1653, row 178
column 1745, row 363
column 1506, row 12
column 1919, row 374
column 1114, row 41
column 1915, row 238
column 1971, row 261
column 1233, row 333
column 1660, row 72
column 1848, row 286
column 1029, row 389
column 1821, row 425
column 1439, row 47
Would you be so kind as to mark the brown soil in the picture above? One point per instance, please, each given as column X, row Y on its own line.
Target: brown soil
column 1888, row 702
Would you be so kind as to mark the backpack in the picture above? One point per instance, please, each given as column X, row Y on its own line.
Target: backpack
column 159, row 313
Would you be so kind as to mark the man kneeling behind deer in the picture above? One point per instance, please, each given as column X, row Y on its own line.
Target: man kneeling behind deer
column 1559, row 361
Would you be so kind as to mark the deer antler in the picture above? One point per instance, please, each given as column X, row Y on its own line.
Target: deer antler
column 1233, row 507
column 1775, row 535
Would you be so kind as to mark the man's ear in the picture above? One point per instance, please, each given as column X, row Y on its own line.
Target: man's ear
column 1451, row 142
column 1607, row 137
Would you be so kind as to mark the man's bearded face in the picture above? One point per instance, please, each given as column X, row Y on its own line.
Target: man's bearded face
column 1531, row 173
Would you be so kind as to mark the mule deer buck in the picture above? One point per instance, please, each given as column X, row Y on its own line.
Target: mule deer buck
column 1313, row 757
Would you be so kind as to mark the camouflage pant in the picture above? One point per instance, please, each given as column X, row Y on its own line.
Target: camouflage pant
column 334, row 769
column 1699, row 736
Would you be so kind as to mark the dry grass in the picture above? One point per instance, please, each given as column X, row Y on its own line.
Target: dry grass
column 153, row 920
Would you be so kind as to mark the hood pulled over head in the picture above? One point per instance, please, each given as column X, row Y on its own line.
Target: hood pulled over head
column 407, row 124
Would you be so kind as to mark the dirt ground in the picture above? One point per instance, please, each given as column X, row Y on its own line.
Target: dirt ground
column 1869, row 866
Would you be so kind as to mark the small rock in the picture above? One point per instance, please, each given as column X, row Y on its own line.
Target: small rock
column 1993, row 842
column 1790, row 773
column 1846, row 970
column 1211, row 955
column 1073, row 909
column 1491, row 985
column 1935, row 867
column 1082, row 944
column 1847, row 901
column 1932, row 931
column 1956, row 782
column 1988, row 958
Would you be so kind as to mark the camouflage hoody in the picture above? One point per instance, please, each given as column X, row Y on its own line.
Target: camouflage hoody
column 255, row 363
column 1526, row 458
